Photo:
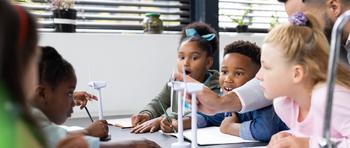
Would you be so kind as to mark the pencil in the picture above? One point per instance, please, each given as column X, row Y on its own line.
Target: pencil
column 92, row 120
column 166, row 114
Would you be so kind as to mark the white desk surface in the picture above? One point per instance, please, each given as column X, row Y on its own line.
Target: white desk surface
column 119, row 134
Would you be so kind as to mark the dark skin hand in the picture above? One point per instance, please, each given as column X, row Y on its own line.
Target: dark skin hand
column 152, row 125
column 230, row 125
column 167, row 127
column 139, row 119
column 98, row 128
column 82, row 97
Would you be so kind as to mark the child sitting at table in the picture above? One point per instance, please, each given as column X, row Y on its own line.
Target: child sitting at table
column 54, row 101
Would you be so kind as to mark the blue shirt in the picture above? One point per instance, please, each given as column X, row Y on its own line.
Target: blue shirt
column 258, row 125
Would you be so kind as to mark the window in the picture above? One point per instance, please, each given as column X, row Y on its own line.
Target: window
column 260, row 13
column 114, row 15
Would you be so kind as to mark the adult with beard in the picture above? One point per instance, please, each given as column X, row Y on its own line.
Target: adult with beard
column 327, row 12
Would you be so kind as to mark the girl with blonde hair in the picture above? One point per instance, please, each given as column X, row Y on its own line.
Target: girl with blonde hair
column 294, row 69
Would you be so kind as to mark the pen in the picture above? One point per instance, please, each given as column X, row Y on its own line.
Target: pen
column 89, row 114
column 166, row 114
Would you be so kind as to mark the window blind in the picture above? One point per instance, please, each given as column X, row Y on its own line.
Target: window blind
column 262, row 13
column 111, row 15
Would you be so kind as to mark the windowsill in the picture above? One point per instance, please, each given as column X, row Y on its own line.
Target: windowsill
column 108, row 31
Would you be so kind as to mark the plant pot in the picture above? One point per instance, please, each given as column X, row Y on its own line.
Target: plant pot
column 242, row 28
column 65, row 20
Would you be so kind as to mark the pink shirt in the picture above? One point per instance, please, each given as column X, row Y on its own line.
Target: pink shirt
column 312, row 125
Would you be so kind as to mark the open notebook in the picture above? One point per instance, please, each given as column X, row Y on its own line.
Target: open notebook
column 211, row 136
column 122, row 122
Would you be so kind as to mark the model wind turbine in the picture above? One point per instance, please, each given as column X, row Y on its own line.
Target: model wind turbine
column 192, row 88
column 172, row 89
column 98, row 85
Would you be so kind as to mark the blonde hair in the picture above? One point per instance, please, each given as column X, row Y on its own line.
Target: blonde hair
column 308, row 46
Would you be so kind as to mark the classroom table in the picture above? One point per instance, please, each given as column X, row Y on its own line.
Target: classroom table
column 165, row 141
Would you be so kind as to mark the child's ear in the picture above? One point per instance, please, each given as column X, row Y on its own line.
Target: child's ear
column 41, row 93
column 210, row 62
column 298, row 73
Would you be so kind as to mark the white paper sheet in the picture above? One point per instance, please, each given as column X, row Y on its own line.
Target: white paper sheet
column 211, row 136
column 122, row 122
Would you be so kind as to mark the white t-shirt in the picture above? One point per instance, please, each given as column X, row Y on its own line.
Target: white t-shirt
column 55, row 133
column 251, row 96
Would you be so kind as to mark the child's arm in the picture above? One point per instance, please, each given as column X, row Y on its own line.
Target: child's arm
column 98, row 128
column 260, row 124
column 153, row 109
column 230, row 125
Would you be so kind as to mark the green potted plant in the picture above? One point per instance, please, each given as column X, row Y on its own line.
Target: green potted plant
column 243, row 21
column 274, row 21
column 64, row 15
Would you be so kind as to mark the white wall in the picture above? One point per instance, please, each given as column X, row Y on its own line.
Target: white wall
column 135, row 66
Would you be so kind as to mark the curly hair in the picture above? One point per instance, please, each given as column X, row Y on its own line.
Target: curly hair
column 53, row 69
column 246, row 48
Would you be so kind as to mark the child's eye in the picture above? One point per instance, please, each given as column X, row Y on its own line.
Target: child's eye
column 237, row 74
column 195, row 57
column 224, row 72
column 181, row 57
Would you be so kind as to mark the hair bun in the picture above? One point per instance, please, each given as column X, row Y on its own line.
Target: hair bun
column 50, row 54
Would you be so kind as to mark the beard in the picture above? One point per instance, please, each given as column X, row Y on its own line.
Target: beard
column 328, row 27
column 329, row 24
column 328, row 33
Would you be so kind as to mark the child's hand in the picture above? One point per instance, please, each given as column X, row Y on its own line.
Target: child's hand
column 284, row 139
column 148, row 126
column 278, row 136
column 82, row 97
column 98, row 128
column 230, row 125
column 139, row 119
column 166, row 126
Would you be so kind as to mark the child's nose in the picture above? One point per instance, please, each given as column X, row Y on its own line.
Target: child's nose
column 259, row 75
column 229, row 78
column 187, row 61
